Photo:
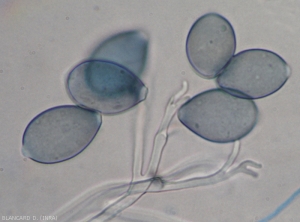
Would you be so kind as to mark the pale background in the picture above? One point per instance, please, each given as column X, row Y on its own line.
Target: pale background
column 41, row 41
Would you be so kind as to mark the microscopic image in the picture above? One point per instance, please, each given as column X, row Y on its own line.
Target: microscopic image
column 142, row 111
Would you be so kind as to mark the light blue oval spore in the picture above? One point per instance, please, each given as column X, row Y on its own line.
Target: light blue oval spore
column 210, row 45
column 217, row 116
column 60, row 133
column 105, row 86
column 256, row 73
